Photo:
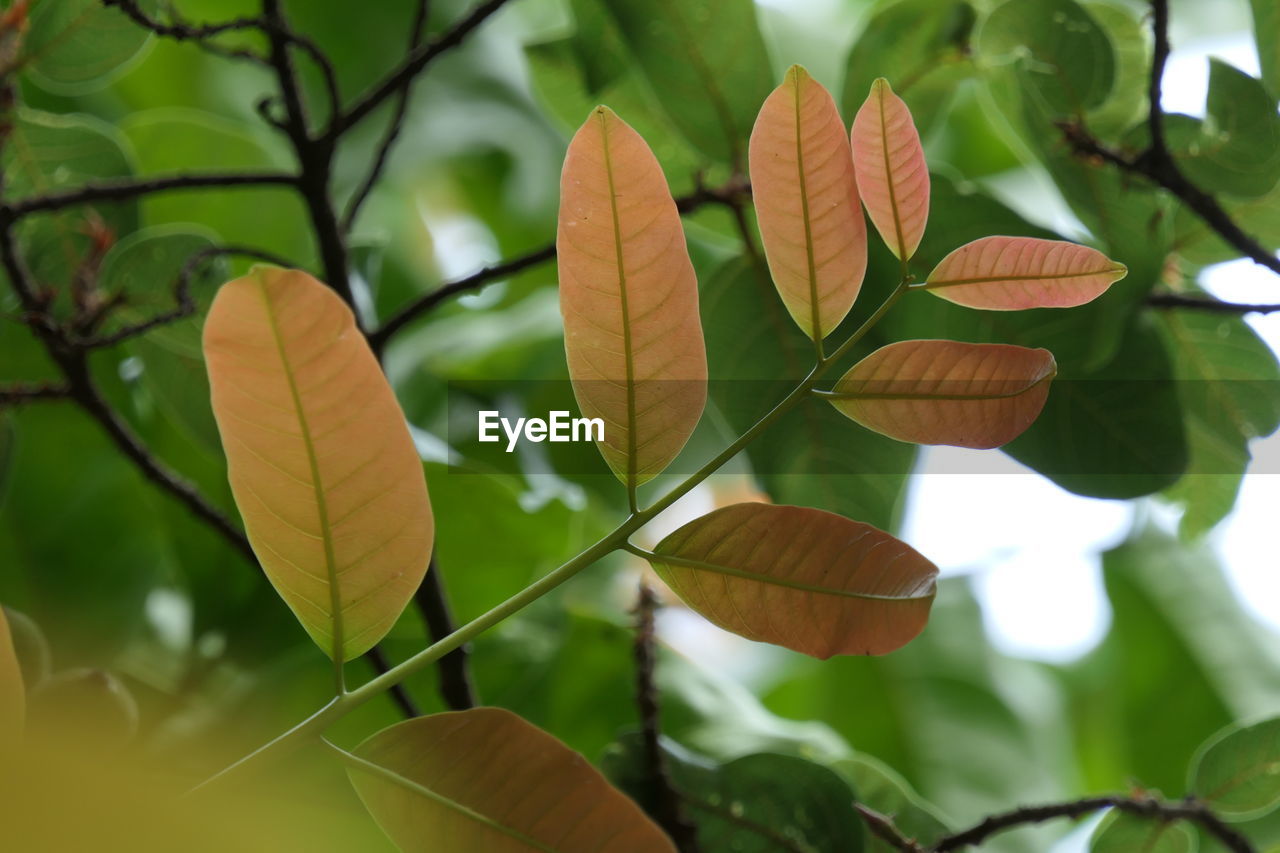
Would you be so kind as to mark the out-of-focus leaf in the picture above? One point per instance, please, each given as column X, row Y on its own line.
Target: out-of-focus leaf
column 1131, row 40
column 1128, row 833
column 47, row 153
column 811, row 456
column 919, row 46
column 320, row 459
column 13, row 703
column 92, row 704
column 806, row 201
column 1229, row 382
column 1238, row 771
column 76, row 46
column 1196, row 242
column 629, row 297
column 1065, row 56
column 1266, row 32
column 884, row 790
column 29, row 646
column 486, row 780
column 803, row 578
column 947, row 392
column 1236, row 148
column 762, row 803
column 722, row 73
column 1014, row 273
column 597, row 44
column 144, row 269
column 892, row 176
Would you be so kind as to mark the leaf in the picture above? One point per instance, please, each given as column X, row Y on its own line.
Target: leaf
column 629, row 298
column 13, row 701
column 29, row 646
column 883, row 789
column 1127, row 833
column 1266, row 32
column 1065, row 58
column 1130, row 39
column 809, row 457
column 1013, row 273
column 761, row 803
column 947, row 392
column 78, row 46
column 713, row 90
column 1237, row 772
column 319, row 457
column 921, row 47
column 892, row 176
column 487, row 780
column 802, row 578
column 806, row 201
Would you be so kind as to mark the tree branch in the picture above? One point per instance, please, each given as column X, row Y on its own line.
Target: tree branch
column 1201, row 303
column 883, row 827
column 200, row 34
column 28, row 392
column 1188, row 810
column 432, row 601
column 123, row 190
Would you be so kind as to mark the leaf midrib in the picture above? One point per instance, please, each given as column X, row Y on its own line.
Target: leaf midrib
column 322, row 507
column 930, row 284
column 815, row 318
column 785, row 582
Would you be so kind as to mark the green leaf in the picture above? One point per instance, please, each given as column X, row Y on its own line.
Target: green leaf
column 706, row 61
column 144, row 269
column 1229, row 382
column 1131, row 40
column 762, row 803
column 1128, row 833
column 1266, row 32
column 884, row 790
column 78, row 46
column 1065, row 57
column 47, row 153
column 921, row 47
column 1237, row 772
column 1199, row 245
column 813, row 456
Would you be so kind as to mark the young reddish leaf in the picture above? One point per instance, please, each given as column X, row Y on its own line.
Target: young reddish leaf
column 947, row 392
column 803, row 578
column 1013, row 273
column 892, row 176
column 806, row 200
column 319, row 456
column 629, row 299
column 486, row 780
column 13, row 701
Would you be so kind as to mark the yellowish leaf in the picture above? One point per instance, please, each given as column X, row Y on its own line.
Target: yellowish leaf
column 629, row 297
column 892, row 176
column 1013, row 273
column 320, row 459
column 13, row 701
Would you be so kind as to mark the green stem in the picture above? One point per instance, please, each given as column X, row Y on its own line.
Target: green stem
column 610, row 542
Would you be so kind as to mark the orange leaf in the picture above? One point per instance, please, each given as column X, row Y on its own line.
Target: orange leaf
column 892, row 176
column 319, row 456
column 947, row 392
column 803, row 578
column 486, row 780
column 1013, row 273
column 629, row 299
column 806, row 201
column 13, row 703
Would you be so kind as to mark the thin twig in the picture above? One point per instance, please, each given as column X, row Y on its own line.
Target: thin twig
column 883, row 827
column 393, row 128
column 200, row 34
column 126, row 189
column 30, row 392
column 1188, row 810
column 662, row 799
column 432, row 601
column 1215, row 306
column 378, row 660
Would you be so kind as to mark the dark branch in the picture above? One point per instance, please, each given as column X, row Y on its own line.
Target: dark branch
column 662, row 799
column 1188, row 810
column 728, row 195
column 378, row 660
column 29, row 392
column 393, row 128
column 123, row 190
column 199, row 34
column 1200, row 303
column 455, row 677
column 882, row 827
column 412, row 65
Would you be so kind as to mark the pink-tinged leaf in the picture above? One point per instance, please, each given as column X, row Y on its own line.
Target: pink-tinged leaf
column 485, row 780
column 810, row 580
column 1013, row 273
column 806, row 201
column 629, row 297
column 892, row 176
column 13, row 701
column 947, row 392
column 320, row 459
